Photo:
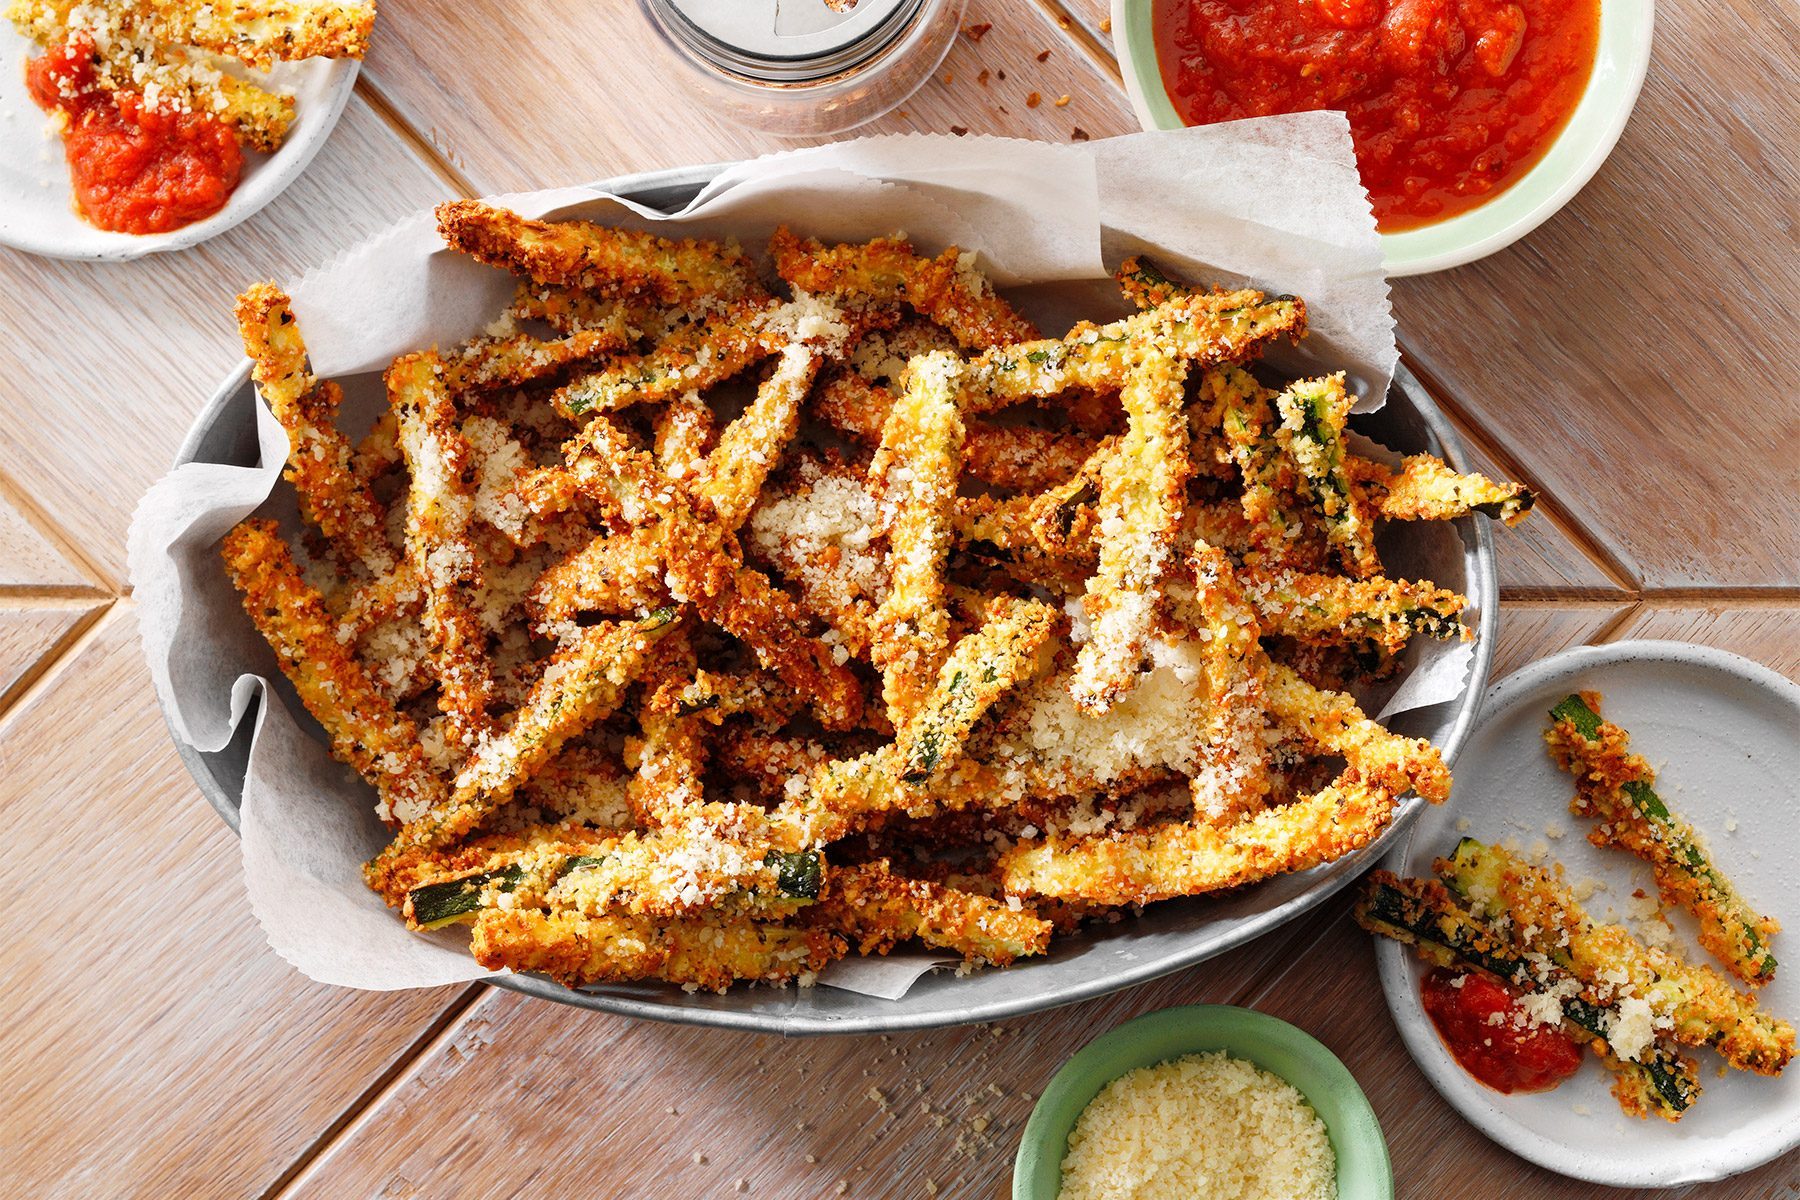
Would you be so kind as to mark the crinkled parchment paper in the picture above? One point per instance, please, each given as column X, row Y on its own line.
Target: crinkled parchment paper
column 1274, row 203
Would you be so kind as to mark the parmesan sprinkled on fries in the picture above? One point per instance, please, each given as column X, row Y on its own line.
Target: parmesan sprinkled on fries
column 712, row 618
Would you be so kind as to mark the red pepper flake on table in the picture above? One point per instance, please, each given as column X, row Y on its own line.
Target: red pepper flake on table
column 1449, row 104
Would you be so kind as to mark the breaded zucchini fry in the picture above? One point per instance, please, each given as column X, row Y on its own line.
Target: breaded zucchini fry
column 439, row 506
column 766, row 619
column 886, row 270
column 693, row 358
column 706, row 952
column 583, row 682
column 259, row 33
column 1231, row 775
column 1335, row 609
column 751, row 445
column 980, row 669
column 620, row 573
column 685, row 432
column 1332, row 720
column 876, row 908
column 319, row 460
column 365, row 729
column 1197, row 328
column 1186, row 859
column 1313, row 412
column 683, row 868
column 1617, row 788
column 596, row 257
column 1694, row 1004
column 1425, row 915
column 1142, row 494
column 916, row 469
column 1424, row 489
column 669, row 755
column 520, row 359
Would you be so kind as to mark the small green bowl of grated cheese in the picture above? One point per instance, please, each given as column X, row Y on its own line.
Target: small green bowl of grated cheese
column 1203, row 1101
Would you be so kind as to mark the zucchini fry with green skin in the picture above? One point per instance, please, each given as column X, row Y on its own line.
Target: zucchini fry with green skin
column 439, row 506
column 1231, row 774
column 1144, row 285
column 668, row 757
column 520, row 359
column 716, row 695
column 583, row 683
column 449, row 887
column 365, row 729
column 1140, row 866
column 596, row 257
column 1426, row 489
column 683, row 869
column 1335, row 609
column 1313, row 412
column 1333, row 721
column 319, row 462
column 1616, row 788
column 1698, row 1006
column 693, row 358
column 915, row 470
column 1424, row 914
column 570, row 310
column 1202, row 329
column 1142, row 495
column 708, row 952
column 887, row 270
column 981, row 668
column 876, row 909
column 1244, row 411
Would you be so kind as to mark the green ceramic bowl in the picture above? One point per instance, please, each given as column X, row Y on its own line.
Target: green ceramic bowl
column 1592, row 131
column 1272, row 1044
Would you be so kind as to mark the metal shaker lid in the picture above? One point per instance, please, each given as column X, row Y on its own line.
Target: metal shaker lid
column 787, row 41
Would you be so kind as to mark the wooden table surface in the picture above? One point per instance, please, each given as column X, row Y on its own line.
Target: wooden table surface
column 1634, row 360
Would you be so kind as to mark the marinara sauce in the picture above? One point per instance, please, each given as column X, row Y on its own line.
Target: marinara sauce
column 136, row 169
column 1450, row 101
column 1481, row 1022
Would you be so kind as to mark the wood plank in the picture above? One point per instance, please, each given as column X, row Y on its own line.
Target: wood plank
column 1095, row 16
column 1533, row 630
column 32, row 634
column 155, row 1045
column 30, row 557
column 117, row 395
column 1767, row 633
column 1633, row 352
column 542, row 106
column 886, row 1115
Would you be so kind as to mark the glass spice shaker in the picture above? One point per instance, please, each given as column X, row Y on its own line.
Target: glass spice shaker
column 801, row 67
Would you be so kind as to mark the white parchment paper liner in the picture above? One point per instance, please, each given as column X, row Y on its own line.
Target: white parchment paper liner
column 1272, row 202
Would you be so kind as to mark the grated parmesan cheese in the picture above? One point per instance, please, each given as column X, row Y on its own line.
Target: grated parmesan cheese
column 1204, row 1125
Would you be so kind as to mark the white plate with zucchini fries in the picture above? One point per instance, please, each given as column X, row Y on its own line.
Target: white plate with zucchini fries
column 709, row 620
column 1637, row 911
column 277, row 79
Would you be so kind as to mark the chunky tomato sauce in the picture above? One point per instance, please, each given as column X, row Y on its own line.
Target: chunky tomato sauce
column 1482, row 1024
column 1450, row 101
column 136, row 169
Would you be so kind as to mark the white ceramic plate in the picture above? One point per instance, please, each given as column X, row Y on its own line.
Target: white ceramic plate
column 36, row 209
column 1724, row 736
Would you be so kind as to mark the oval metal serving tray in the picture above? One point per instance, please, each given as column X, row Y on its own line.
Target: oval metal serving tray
column 1092, row 962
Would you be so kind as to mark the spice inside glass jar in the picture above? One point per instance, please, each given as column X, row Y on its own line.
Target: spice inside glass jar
column 802, row 67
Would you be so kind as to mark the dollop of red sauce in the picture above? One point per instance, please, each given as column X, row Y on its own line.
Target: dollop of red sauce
column 1481, row 1022
column 1450, row 101
column 136, row 169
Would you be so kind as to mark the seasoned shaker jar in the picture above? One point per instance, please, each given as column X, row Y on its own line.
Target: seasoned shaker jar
column 800, row 67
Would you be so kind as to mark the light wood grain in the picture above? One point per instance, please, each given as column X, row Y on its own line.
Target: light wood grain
column 1766, row 633
column 32, row 634
column 1530, row 630
column 29, row 557
column 555, row 103
column 139, row 347
column 153, row 1046
column 888, row 1115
